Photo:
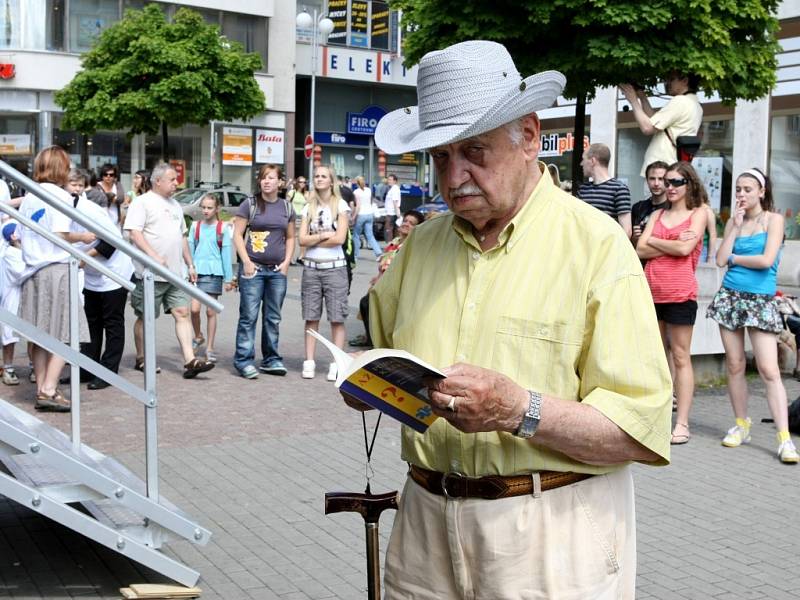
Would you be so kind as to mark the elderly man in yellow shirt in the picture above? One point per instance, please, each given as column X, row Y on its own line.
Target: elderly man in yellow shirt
column 556, row 380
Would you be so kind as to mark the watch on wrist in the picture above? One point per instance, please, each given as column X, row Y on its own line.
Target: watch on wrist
column 730, row 260
column 530, row 420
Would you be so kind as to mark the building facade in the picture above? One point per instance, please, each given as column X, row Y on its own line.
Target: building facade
column 40, row 46
column 360, row 77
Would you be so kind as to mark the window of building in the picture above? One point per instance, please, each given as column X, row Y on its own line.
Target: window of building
column 21, row 24
column 88, row 19
column 249, row 31
column 784, row 169
column 54, row 32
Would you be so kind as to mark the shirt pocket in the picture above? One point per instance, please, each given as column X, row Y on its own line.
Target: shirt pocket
column 540, row 354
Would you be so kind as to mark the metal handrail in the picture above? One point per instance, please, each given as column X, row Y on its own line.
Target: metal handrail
column 65, row 245
column 36, row 189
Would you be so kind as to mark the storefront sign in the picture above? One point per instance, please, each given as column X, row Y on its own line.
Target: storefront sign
column 7, row 70
column 362, row 65
column 343, row 139
column 237, row 146
column 365, row 122
column 269, row 146
column 180, row 171
column 380, row 25
column 358, row 23
column 337, row 12
column 15, row 144
column 553, row 144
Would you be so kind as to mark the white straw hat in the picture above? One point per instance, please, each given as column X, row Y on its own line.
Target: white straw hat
column 465, row 90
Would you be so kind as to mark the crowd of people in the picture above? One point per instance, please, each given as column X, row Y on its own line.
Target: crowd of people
column 265, row 234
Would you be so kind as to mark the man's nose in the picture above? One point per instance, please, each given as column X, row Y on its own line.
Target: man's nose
column 457, row 172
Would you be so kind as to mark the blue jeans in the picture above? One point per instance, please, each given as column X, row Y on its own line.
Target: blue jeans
column 364, row 225
column 265, row 290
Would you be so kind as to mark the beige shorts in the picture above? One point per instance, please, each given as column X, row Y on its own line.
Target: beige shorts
column 165, row 294
column 576, row 542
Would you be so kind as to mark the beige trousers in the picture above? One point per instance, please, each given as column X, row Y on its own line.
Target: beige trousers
column 577, row 542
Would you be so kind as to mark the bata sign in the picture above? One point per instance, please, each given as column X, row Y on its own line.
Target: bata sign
column 554, row 144
column 269, row 146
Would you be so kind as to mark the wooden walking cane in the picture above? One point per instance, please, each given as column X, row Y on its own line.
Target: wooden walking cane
column 370, row 507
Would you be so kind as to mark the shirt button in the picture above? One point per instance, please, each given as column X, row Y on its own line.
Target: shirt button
column 476, row 255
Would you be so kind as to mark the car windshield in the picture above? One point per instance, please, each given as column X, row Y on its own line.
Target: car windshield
column 189, row 196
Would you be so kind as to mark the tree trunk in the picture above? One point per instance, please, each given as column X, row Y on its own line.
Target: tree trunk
column 164, row 142
column 577, row 149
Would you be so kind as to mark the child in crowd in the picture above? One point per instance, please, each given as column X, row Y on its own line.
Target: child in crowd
column 210, row 245
column 12, row 272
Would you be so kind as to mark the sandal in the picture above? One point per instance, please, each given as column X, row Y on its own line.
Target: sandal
column 680, row 438
column 197, row 342
column 54, row 403
column 195, row 366
column 139, row 366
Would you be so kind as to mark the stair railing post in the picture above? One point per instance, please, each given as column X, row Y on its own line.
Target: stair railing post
column 150, row 410
column 74, row 342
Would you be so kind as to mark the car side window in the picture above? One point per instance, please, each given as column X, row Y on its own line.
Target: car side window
column 218, row 197
column 236, row 198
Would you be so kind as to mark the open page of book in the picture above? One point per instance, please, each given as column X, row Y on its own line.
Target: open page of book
column 393, row 381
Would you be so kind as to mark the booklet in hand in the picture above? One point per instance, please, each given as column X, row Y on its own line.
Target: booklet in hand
column 392, row 381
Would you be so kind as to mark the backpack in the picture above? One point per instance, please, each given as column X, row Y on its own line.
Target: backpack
column 219, row 234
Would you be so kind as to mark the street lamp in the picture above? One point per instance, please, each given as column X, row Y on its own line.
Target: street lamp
column 319, row 24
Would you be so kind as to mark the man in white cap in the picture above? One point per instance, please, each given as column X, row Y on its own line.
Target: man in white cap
column 536, row 306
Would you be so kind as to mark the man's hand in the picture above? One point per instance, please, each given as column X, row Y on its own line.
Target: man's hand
column 628, row 91
column 485, row 400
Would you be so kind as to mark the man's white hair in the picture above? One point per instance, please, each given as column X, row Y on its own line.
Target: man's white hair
column 159, row 171
column 514, row 130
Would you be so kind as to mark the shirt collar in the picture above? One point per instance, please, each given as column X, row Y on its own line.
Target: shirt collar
column 521, row 222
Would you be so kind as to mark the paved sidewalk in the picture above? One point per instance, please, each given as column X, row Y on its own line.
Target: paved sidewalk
column 251, row 460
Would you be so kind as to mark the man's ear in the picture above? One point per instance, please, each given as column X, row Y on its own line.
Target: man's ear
column 531, row 140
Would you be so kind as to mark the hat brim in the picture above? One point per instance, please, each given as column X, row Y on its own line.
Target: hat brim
column 399, row 130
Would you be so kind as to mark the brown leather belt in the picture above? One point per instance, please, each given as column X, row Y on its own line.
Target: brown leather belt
column 490, row 487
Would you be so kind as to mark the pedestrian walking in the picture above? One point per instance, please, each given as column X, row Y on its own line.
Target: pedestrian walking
column 299, row 198
column 751, row 249
column 671, row 244
column 520, row 289
column 156, row 225
column 264, row 237
column 210, row 246
column 363, row 218
column 323, row 230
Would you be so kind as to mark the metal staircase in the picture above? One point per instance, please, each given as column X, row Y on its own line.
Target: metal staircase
column 51, row 472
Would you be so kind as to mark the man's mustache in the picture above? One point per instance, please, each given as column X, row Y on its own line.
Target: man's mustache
column 468, row 189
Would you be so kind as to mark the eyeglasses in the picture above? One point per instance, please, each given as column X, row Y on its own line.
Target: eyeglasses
column 676, row 183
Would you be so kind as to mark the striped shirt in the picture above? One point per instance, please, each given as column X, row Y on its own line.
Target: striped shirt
column 560, row 305
column 612, row 196
column 671, row 278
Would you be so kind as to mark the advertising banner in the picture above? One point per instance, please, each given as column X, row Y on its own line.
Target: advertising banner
column 269, row 146
column 358, row 23
column 18, row 144
column 237, row 146
column 380, row 25
column 337, row 12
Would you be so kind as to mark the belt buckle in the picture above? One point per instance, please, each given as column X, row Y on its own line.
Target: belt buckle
column 445, row 476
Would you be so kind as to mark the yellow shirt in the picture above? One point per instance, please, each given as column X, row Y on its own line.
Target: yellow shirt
column 682, row 115
column 560, row 305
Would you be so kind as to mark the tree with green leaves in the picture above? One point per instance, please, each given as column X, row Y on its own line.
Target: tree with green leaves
column 145, row 73
column 730, row 44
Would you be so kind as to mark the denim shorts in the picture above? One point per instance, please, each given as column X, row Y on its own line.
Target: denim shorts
column 210, row 284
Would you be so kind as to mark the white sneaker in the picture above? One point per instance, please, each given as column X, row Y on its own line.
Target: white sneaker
column 788, row 453
column 308, row 369
column 332, row 372
column 737, row 435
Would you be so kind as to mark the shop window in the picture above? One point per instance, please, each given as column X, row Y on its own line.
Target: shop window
column 249, row 31
column 18, row 136
column 88, row 19
column 784, row 169
column 184, row 146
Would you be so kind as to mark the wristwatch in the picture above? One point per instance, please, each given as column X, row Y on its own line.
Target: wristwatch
column 731, row 258
column 530, row 420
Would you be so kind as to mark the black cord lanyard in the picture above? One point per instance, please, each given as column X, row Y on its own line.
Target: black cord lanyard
column 368, row 447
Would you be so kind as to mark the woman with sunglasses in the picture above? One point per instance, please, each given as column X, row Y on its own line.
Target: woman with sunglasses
column 751, row 249
column 671, row 243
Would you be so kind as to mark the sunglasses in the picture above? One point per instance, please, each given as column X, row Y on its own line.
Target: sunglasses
column 676, row 183
column 108, row 174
